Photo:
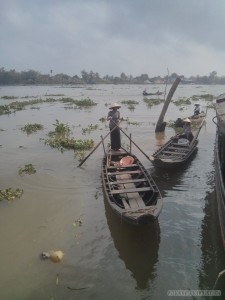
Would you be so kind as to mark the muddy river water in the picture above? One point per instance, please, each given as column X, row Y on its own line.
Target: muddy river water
column 104, row 258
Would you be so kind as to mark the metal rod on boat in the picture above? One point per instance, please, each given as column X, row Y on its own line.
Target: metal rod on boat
column 103, row 145
column 132, row 141
column 81, row 163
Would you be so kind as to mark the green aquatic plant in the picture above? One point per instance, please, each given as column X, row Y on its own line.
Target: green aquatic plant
column 129, row 102
column 79, row 154
column 79, row 103
column 102, row 120
column 27, row 169
column 152, row 102
column 9, row 97
column 182, row 101
column 5, row 110
column 20, row 105
column 170, row 124
column 208, row 97
column 60, row 138
column 62, row 130
column 131, row 107
column 134, row 123
column 89, row 128
column 10, row 194
column 54, row 95
column 30, row 128
column 211, row 105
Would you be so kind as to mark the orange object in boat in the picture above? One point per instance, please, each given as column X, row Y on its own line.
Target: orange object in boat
column 127, row 160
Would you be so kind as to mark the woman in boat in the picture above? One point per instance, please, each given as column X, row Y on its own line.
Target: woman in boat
column 187, row 132
column 197, row 110
column 114, row 117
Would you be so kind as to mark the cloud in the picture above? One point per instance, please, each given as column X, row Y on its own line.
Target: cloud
column 110, row 37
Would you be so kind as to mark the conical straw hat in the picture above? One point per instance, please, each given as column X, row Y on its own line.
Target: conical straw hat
column 115, row 105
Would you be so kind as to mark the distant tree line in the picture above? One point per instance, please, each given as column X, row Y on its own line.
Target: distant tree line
column 13, row 77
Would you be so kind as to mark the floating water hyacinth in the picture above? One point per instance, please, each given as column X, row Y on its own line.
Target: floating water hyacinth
column 28, row 169
column 10, row 194
column 30, row 128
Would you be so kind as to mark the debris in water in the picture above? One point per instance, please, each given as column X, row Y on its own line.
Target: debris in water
column 55, row 256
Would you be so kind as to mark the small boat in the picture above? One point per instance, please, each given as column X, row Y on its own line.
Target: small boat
column 129, row 188
column 174, row 153
column 158, row 93
column 177, row 151
column 197, row 119
column 219, row 155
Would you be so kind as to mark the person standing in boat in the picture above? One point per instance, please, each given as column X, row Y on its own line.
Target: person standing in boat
column 187, row 132
column 114, row 118
column 197, row 109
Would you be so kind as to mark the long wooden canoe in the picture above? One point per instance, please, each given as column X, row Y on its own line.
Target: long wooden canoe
column 177, row 151
column 129, row 188
column 174, row 153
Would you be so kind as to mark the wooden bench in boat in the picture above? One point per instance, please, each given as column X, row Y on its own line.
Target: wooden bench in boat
column 174, row 153
column 133, row 199
column 180, row 145
column 178, row 148
column 124, row 191
column 124, row 172
column 128, row 181
column 121, row 167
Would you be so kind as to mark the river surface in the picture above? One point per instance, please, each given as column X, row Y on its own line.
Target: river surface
column 104, row 258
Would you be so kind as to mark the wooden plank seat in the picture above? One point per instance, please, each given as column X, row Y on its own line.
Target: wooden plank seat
column 180, row 145
column 131, row 198
column 125, row 172
column 122, row 191
column 131, row 180
column 121, row 167
column 178, row 148
column 173, row 152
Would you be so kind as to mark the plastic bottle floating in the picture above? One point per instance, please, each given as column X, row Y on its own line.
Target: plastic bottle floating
column 55, row 256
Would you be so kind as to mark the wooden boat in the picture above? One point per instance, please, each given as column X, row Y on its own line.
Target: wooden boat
column 174, row 153
column 197, row 119
column 129, row 188
column 219, row 155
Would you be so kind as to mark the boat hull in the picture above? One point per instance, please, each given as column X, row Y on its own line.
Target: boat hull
column 173, row 155
column 130, row 190
column 219, row 157
column 220, row 191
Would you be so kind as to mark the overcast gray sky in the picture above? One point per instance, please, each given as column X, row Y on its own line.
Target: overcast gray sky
column 113, row 36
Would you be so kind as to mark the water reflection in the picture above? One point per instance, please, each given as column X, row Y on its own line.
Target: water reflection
column 167, row 179
column 137, row 247
column 160, row 138
column 212, row 258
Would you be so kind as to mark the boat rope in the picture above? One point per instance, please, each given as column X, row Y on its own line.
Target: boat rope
column 217, row 118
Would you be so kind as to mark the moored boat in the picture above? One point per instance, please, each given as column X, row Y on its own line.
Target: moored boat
column 177, row 151
column 129, row 188
column 219, row 155
column 197, row 119
column 174, row 153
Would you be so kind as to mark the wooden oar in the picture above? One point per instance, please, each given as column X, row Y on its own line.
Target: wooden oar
column 132, row 141
column 103, row 138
